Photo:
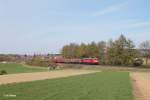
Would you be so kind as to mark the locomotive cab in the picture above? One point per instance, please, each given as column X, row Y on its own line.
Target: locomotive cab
column 93, row 61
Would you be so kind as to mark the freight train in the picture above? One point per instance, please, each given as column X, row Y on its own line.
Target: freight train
column 92, row 61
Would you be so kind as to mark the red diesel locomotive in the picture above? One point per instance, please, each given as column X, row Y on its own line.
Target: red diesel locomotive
column 90, row 61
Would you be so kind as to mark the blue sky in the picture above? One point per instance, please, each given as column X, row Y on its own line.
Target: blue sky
column 42, row 26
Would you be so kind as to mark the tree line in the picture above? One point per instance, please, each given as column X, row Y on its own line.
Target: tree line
column 121, row 51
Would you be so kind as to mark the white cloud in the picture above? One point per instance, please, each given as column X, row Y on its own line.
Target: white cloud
column 140, row 24
column 110, row 9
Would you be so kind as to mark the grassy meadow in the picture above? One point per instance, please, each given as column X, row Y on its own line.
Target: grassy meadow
column 12, row 68
column 106, row 85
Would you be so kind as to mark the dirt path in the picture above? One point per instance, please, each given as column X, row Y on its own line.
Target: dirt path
column 24, row 77
column 141, row 85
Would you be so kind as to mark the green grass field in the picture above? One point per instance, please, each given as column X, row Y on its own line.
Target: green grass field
column 18, row 68
column 98, row 86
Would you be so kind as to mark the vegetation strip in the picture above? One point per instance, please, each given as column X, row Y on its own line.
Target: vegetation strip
column 12, row 68
column 97, row 86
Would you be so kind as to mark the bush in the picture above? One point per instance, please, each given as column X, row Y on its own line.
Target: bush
column 137, row 62
column 3, row 72
column 38, row 61
column 52, row 66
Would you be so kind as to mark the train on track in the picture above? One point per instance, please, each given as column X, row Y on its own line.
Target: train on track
column 92, row 61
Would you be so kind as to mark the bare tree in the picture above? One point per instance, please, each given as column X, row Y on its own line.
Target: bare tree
column 145, row 48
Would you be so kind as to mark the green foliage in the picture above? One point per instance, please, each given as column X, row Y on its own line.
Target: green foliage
column 81, row 51
column 93, row 50
column 121, row 52
column 3, row 72
column 70, row 51
column 38, row 61
column 102, row 52
column 98, row 86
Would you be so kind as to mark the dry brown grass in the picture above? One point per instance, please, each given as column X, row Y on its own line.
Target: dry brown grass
column 145, row 61
column 24, row 77
column 141, row 85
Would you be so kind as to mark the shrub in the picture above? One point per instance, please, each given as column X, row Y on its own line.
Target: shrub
column 3, row 72
column 137, row 62
column 38, row 61
column 52, row 66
